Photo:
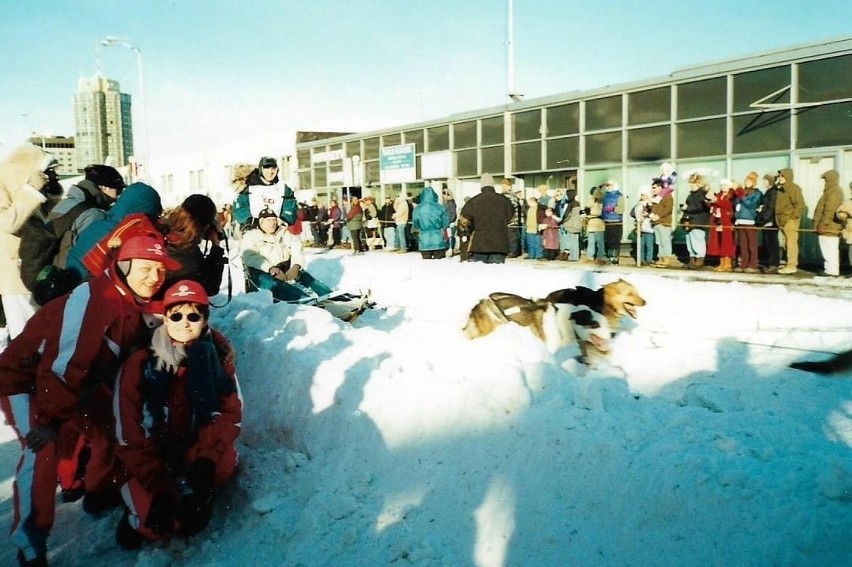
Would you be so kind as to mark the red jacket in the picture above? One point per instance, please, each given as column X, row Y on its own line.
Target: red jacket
column 72, row 348
column 157, row 431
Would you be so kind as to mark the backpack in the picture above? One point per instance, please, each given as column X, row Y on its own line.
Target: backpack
column 41, row 242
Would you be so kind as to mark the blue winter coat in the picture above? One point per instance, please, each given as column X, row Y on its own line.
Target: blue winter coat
column 431, row 219
column 137, row 198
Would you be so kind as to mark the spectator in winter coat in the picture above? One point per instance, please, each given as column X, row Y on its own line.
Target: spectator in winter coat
column 746, row 203
column 137, row 198
column 721, row 236
column 431, row 221
column 400, row 218
column 766, row 221
column 452, row 216
column 186, row 226
column 595, row 227
column 613, row 217
column 572, row 227
column 550, row 234
column 355, row 222
column 789, row 208
column 827, row 224
column 25, row 188
column 488, row 215
column 641, row 212
column 335, row 221
column 387, row 224
column 178, row 412
column 60, row 370
column 696, row 219
column 662, row 206
column 844, row 215
column 372, row 230
column 321, row 238
column 532, row 232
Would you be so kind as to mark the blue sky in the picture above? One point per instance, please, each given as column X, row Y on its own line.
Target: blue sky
column 217, row 72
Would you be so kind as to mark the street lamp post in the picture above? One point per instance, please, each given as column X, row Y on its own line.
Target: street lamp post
column 110, row 41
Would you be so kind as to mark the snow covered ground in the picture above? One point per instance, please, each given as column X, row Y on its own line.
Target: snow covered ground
column 396, row 441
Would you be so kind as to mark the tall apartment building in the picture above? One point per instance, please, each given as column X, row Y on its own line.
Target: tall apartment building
column 102, row 120
column 63, row 149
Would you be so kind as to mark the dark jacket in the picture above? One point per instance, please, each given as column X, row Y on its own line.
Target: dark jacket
column 489, row 214
column 696, row 209
column 431, row 219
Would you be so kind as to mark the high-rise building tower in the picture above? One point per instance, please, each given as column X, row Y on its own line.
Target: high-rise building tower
column 104, row 129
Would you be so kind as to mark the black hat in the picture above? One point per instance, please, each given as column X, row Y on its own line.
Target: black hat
column 201, row 208
column 267, row 161
column 104, row 175
column 265, row 213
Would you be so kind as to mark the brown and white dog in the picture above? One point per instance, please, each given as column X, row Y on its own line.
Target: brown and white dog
column 579, row 315
column 613, row 300
column 555, row 325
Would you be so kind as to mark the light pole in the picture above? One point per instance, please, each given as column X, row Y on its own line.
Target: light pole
column 110, row 41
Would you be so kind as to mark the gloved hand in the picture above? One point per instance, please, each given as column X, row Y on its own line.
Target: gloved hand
column 276, row 273
column 161, row 514
column 194, row 513
column 200, row 475
column 37, row 180
column 292, row 273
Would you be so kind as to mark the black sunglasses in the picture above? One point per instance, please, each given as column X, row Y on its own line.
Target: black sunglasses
column 191, row 317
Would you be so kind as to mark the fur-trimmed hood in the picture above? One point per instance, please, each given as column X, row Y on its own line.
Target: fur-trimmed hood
column 17, row 167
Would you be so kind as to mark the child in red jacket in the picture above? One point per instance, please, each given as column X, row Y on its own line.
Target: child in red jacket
column 178, row 413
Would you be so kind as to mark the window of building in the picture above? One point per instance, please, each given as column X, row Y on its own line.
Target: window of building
column 603, row 148
column 305, row 180
column 415, row 137
column 826, row 79
column 701, row 138
column 563, row 153
column 562, row 120
column 438, row 138
column 353, row 148
column 391, row 140
column 371, row 148
column 526, row 125
column 603, row 113
column 464, row 135
column 755, row 86
column 702, row 98
column 647, row 107
column 761, row 132
column 303, row 157
column 492, row 130
column 466, row 163
column 829, row 125
column 371, row 172
column 493, row 160
column 335, row 174
column 649, row 144
column 320, row 176
column 526, row 156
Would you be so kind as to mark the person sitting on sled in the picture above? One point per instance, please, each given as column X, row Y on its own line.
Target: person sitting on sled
column 274, row 261
column 178, row 411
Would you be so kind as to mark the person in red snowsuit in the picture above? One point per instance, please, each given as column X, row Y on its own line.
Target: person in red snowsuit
column 178, row 411
column 720, row 239
column 60, row 370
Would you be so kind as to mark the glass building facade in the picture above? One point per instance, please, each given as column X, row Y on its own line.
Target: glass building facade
column 786, row 108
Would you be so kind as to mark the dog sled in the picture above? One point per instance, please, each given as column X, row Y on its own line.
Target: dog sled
column 307, row 290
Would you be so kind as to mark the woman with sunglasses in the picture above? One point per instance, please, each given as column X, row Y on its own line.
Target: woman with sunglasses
column 178, row 412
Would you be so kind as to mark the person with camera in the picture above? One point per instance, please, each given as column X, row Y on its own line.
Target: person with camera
column 185, row 227
column 28, row 189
